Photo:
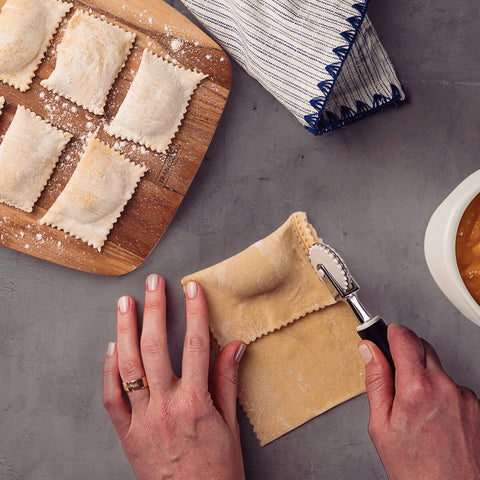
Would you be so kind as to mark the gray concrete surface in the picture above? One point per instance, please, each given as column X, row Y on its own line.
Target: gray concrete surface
column 369, row 189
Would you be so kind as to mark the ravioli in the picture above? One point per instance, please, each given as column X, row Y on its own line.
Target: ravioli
column 89, row 58
column 155, row 103
column 28, row 155
column 96, row 194
column 26, row 29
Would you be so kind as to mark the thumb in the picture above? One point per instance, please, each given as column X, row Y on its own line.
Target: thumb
column 225, row 382
column 378, row 382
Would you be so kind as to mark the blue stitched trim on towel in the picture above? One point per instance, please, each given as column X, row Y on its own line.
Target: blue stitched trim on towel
column 326, row 121
column 330, row 121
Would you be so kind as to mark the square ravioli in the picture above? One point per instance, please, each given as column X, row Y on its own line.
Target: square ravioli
column 155, row 103
column 26, row 29
column 28, row 154
column 89, row 59
column 95, row 196
column 265, row 287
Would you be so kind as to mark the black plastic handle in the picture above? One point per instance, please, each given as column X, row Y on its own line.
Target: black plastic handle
column 376, row 332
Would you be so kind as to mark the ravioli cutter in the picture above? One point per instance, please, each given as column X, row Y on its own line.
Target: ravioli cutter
column 334, row 272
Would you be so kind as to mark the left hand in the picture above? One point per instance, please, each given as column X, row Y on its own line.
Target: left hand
column 173, row 429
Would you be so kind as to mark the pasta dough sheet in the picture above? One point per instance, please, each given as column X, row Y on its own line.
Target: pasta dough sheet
column 301, row 371
column 26, row 29
column 302, row 357
column 265, row 287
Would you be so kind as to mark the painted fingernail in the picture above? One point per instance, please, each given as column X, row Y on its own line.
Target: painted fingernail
column 124, row 304
column 192, row 289
column 152, row 282
column 365, row 353
column 111, row 349
column 239, row 353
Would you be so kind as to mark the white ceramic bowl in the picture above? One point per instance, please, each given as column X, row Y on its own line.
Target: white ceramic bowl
column 439, row 246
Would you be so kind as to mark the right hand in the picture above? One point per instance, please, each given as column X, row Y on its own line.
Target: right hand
column 425, row 427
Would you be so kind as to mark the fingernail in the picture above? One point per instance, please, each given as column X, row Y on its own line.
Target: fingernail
column 124, row 304
column 365, row 353
column 152, row 282
column 192, row 289
column 239, row 353
column 111, row 349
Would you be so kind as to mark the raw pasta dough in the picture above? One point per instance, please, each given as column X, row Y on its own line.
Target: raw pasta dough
column 302, row 357
column 155, row 103
column 28, row 155
column 265, row 287
column 300, row 371
column 96, row 194
column 90, row 56
column 26, row 29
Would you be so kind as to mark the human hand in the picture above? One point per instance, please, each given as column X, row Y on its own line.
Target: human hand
column 173, row 429
column 427, row 427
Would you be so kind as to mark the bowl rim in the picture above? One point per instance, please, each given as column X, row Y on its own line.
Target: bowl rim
column 461, row 197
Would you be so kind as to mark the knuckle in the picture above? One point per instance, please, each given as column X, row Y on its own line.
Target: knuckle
column 458, row 397
column 151, row 346
column 471, row 404
column 130, row 368
column 417, row 390
column 197, row 344
column 192, row 402
column 228, row 378
column 110, row 400
column 166, row 410
column 109, row 371
column 153, row 307
column 469, row 395
column 126, row 327
column 166, row 415
column 374, row 381
column 195, row 311
column 450, row 390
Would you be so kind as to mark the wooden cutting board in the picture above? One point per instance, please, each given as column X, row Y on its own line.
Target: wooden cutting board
column 166, row 32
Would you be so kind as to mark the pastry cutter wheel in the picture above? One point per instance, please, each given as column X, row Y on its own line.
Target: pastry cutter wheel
column 332, row 270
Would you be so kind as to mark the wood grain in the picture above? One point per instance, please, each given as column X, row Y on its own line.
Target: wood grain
column 145, row 218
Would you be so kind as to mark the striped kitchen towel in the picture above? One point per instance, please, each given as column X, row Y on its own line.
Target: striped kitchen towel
column 321, row 58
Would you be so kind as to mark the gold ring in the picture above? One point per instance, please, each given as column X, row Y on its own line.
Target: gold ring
column 135, row 384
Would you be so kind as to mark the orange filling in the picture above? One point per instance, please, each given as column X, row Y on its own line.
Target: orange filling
column 467, row 248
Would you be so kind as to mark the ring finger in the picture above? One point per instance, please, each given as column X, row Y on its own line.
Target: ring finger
column 129, row 360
